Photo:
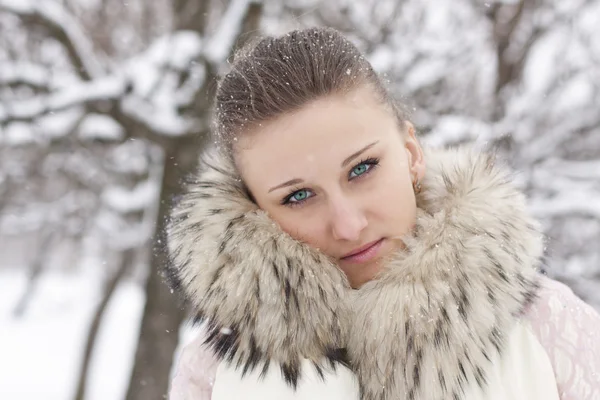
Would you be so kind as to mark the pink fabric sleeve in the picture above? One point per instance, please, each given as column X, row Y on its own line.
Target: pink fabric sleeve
column 569, row 331
column 195, row 373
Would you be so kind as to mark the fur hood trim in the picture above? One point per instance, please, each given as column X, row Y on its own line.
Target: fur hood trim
column 435, row 315
column 428, row 327
column 264, row 296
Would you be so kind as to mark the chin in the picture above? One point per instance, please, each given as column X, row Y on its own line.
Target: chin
column 358, row 275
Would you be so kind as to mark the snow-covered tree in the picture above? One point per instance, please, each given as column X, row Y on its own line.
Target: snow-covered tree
column 105, row 104
column 104, row 107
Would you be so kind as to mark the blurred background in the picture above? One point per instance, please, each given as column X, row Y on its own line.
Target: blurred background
column 105, row 105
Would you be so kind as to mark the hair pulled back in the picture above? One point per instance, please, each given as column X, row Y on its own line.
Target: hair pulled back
column 278, row 75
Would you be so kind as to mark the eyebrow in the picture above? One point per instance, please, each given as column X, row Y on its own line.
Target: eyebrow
column 288, row 183
column 358, row 153
column 296, row 181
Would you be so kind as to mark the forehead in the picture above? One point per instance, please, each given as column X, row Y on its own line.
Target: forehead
column 318, row 136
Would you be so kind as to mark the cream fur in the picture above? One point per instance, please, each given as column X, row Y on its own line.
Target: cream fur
column 275, row 298
column 429, row 325
column 423, row 330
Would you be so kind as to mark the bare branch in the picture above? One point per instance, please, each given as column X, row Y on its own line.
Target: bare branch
column 387, row 26
column 503, row 33
column 63, row 27
column 250, row 23
column 34, row 271
column 190, row 14
column 110, row 286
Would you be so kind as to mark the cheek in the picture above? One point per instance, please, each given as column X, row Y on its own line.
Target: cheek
column 395, row 204
column 301, row 227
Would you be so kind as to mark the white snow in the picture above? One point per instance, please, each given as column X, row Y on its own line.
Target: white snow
column 179, row 49
column 115, row 349
column 382, row 58
column 537, row 76
column 163, row 120
column 564, row 204
column 174, row 51
column 425, row 73
column 589, row 170
column 22, row 72
column 576, row 93
column 41, row 351
column 57, row 15
column 99, row 89
column 98, row 126
column 452, row 129
column 57, row 124
column 136, row 199
column 157, row 92
column 18, row 133
column 73, row 95
column 129, row 157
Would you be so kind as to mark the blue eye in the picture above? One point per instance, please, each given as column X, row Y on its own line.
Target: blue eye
column 360, row 169
column 297, row 197
column 300, row 195
column 363, row 167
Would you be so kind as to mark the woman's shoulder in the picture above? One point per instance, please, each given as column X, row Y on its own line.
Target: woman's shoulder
column 569, row 331
column 195, row 371
column 557, row 303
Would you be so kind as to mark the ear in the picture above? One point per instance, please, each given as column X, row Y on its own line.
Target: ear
column 414, row 151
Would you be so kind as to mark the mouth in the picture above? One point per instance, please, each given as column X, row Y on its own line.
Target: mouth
column 363, row 253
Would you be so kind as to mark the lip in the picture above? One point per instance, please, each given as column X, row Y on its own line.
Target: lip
column 364, row 253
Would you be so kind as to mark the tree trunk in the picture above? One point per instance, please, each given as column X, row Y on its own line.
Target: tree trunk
column 162, row 318
column 159, row 332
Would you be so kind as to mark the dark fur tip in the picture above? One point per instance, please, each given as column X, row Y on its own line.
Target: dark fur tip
column 223, row 341
column 291, row 373
column 171, row 275
column 338, row 356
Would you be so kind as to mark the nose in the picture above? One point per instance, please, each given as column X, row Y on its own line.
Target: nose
column 347, row 219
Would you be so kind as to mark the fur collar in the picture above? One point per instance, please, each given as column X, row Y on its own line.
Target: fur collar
column 430, row 324
column 442, row 307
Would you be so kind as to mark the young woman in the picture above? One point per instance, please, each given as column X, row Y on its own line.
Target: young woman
column 330, row 256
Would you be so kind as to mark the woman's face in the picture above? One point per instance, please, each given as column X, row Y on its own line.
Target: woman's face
column 337, row 174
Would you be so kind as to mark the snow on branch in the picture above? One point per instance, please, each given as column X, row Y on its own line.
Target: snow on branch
column 221, row 43
column 162, row 120
column 574, row 169
column 565, row 188
column 146, row 90
column 64, row 27
column 98, row 126
column 567, row 204
column 28, row 74
column 136, row 199
column 159, row 119
column 84, row 93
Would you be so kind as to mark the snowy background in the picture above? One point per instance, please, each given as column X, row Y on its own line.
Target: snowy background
column 104, row 105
